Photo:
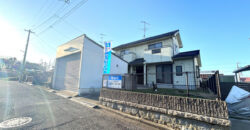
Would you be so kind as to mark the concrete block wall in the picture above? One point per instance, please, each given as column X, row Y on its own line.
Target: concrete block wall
column 202, row 111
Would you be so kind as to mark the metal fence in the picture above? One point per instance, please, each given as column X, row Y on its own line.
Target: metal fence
column 182, row 80
column 118, row 81
column 173, row 80
column 169, row 83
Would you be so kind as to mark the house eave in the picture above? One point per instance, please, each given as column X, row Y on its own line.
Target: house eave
column 168, row 35
column 179, row 39
column 141, row 43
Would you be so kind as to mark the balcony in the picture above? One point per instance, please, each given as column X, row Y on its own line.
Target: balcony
column 164, row 55
column 129, row 57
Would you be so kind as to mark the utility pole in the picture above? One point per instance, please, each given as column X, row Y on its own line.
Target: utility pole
column 24, row 57
column 144, row 29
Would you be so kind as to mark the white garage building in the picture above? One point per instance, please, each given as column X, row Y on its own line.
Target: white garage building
column 79, row 66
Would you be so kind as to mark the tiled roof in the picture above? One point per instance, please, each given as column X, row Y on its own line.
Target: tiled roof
column 187, row 54
column 147, row 39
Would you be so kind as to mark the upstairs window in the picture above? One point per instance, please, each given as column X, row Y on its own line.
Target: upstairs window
column 124, row 52
column 178, row 70
column 156, row 51
column 155, row 46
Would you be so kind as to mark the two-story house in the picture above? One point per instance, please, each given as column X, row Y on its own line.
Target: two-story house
column 158, row 59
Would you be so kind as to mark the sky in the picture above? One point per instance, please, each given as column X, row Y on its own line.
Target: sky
column 219, row 29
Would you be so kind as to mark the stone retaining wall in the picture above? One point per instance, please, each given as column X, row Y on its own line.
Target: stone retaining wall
column 178, row 112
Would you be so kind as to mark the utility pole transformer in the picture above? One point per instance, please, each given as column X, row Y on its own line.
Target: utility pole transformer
column 24, row 57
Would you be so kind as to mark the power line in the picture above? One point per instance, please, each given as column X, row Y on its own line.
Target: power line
column 78, row 5
column 60, row 10
column 66, row 1
column 43, row 41
column 51, row 5
column 63, row 35
column 74, row 27
column 70, row 11
column 51, row 17
column 38, row 12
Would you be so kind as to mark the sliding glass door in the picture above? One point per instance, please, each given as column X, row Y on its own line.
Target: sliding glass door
column 164, row 73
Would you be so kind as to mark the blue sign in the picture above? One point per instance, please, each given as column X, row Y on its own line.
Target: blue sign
column 107, row 58
column 115, row 77
column 115, row 81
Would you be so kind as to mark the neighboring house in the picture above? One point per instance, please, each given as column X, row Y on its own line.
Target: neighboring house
column 158, row 59
column 79, row 66
column 239, row 70
column 205, row 75
column 227, row 78
column 245, row 79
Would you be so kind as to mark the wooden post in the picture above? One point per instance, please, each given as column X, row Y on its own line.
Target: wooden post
column 123, row 81
column 187, row 84
column 218, row 84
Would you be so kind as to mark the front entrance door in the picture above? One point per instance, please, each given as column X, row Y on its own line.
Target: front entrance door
column 139, row 74
column 164, row 73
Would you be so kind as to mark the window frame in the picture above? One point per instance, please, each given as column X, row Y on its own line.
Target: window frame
column 155, row 51
column 124, row 52
column 178, row 73
column 154, row 46
column 164, row 73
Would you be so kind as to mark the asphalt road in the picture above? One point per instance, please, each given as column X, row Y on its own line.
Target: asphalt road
column 49, row 111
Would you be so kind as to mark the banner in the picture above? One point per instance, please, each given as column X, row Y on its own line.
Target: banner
column 107, row 58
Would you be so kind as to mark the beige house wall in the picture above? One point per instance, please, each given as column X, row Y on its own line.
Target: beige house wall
column 75, row 43
column 141, row 51
column 187, row 66
column 88, row 68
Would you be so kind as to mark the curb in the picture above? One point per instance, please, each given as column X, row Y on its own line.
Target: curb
column 64, row 96
column 88, row 104
column 74, row 99
column 96, row 105
column 159, row 126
